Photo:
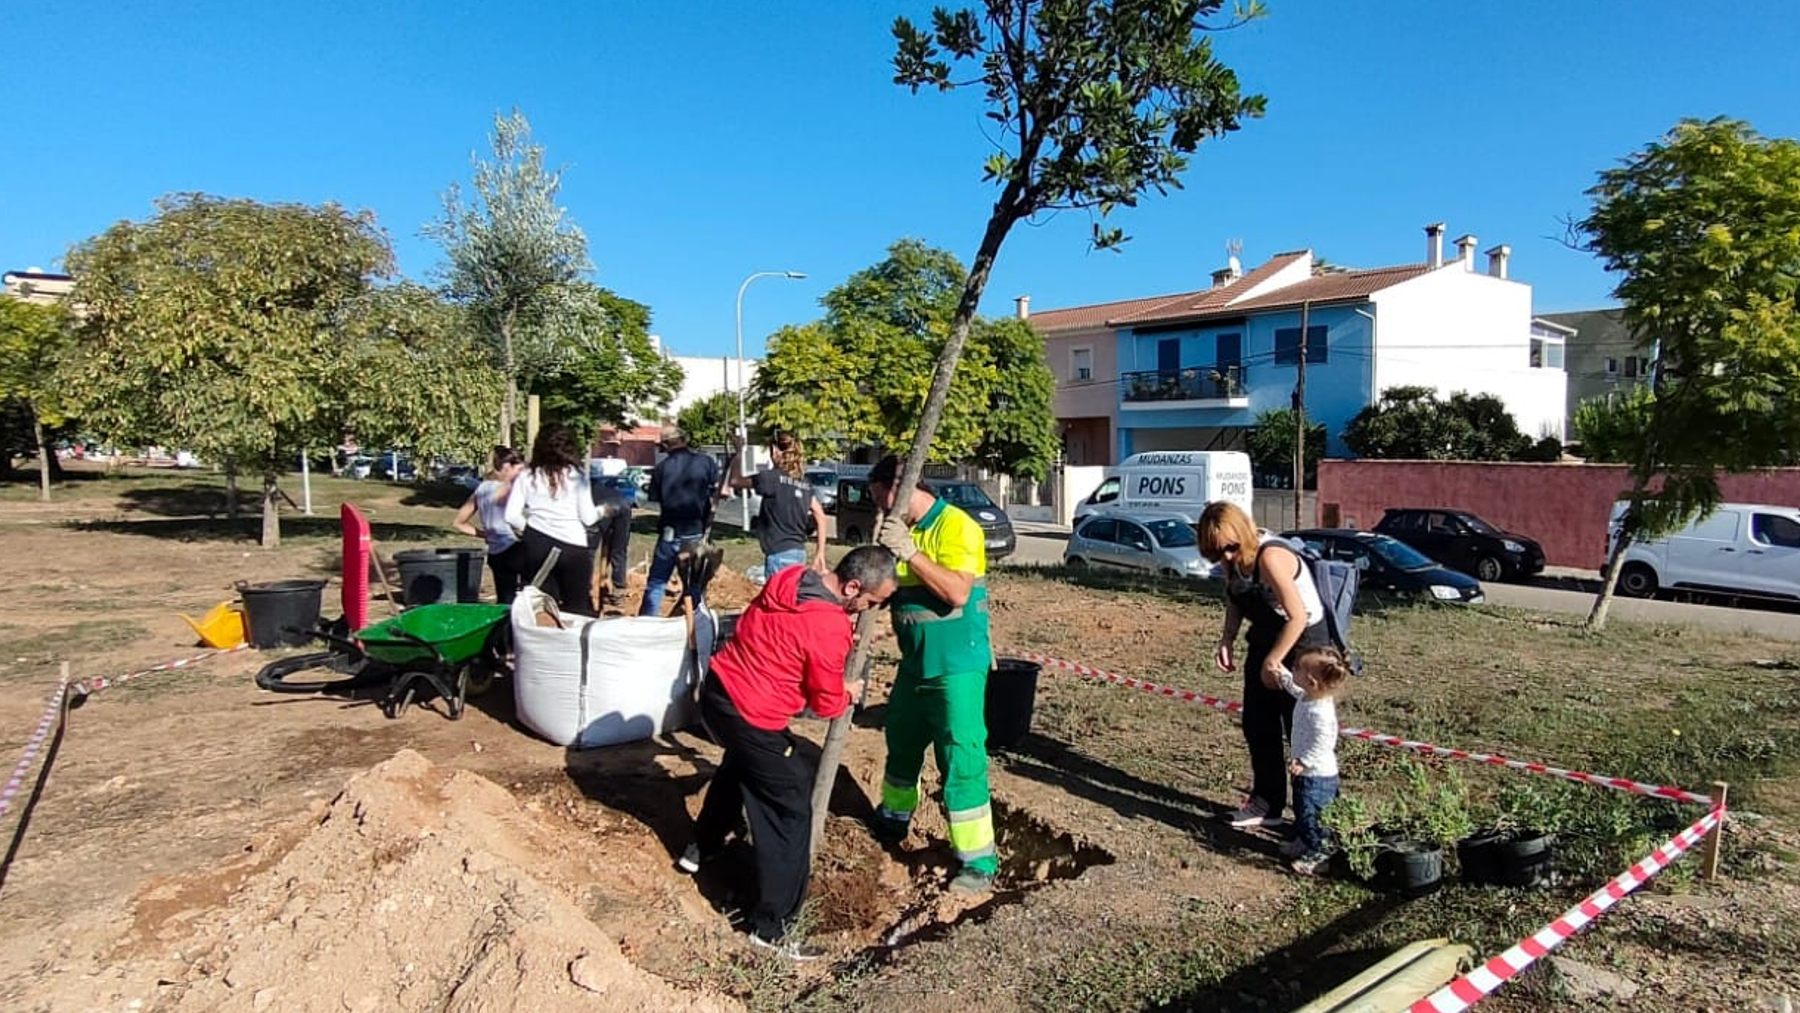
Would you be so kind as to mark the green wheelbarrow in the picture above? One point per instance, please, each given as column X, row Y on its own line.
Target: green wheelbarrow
column 455, row 650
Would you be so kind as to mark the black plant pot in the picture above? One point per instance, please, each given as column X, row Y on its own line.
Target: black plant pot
column 1478, row 856
column 1411, row 868
column 1525, row 859
column 1520, row 858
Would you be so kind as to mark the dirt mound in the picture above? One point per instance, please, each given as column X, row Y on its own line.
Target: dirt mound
column 410, row 891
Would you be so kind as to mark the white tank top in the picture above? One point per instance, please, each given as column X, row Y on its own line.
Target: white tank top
column 1309, row 592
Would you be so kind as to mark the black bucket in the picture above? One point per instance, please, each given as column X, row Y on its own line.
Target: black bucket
column 1011, row 697
column 427, row 576
column 281, row 613
column 1410, row 868
column 468, row 573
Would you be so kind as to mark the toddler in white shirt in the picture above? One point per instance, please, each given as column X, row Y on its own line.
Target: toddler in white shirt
column 1317, row 677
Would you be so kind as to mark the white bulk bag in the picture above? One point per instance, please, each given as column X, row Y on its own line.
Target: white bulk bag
column 600, row 682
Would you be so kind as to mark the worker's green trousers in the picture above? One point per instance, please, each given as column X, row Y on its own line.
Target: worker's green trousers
column 945, row 712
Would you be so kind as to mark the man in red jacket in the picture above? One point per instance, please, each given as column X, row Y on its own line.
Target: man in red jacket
column 786, row 655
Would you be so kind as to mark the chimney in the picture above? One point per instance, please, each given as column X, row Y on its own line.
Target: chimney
column 1023, row 304
column 1497, row 258
column 1465, row 251
column 1223, row 276
column 1434, row 244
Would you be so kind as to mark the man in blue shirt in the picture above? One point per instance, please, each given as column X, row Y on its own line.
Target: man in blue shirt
column 683, row 484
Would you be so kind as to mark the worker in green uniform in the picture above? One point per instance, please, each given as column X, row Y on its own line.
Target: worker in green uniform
column 941, row 624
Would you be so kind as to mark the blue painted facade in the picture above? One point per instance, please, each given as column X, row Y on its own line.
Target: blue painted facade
column 1336, row 389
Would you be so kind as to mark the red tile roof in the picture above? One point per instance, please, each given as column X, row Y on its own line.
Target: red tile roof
column 1077, row 318
column 1323, row 288
column 1213, row 298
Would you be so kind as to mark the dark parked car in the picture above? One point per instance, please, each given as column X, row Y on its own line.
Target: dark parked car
column 1464, row 541
column 824, row 484
column 1390, row 565
column 856, row 512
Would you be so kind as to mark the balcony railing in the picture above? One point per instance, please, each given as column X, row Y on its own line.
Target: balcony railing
column 1194, row 383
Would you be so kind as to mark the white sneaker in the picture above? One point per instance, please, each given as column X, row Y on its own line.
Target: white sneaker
column 1253, row 813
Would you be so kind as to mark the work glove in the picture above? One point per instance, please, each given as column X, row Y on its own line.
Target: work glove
column 897, row 538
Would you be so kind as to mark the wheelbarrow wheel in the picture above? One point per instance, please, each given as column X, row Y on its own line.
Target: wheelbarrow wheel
column 396, row 707
column 491, row 663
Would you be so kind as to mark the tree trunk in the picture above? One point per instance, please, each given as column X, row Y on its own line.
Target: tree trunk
column 1596, row 620
column 231, row 489
column 998, row 225
column 271, row 512
column 509, row 404
column 43, row 455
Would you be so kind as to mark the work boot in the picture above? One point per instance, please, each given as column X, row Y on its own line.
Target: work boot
column 973, row 882
column 889, row 830
column 692, row 858
column 789, row 946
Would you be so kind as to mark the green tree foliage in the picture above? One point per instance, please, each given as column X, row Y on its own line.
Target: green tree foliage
column 34, row 338
column 611, row 373
column 219, row 325
column 1611, row 428
column 857, row 376
column 415, row 376
column 1413, row 423
column 513, row 259
column 1271, row 444
column 710, row 421
column 1703, row 229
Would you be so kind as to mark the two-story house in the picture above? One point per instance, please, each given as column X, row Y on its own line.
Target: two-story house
column 1193, row 370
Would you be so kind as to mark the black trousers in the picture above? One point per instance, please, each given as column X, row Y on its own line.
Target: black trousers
column 1269, row 717
column 763, row 775
column 508, row 569
column 568, row 579
column 610, row 541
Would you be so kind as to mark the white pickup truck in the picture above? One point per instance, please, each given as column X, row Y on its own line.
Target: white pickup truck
column 1746, row 549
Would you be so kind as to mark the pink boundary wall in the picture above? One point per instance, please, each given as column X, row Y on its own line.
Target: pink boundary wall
column 1563, row 506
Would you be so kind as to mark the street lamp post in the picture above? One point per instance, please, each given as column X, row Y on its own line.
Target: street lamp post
column 743, row 428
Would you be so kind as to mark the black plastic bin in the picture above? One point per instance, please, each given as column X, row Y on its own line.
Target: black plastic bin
column 1011, row 697
column 281, row 613
column 469, row 564
column 428, row 576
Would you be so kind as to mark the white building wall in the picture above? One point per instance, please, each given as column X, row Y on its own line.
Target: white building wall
column 704, row 376
column 1459, row 330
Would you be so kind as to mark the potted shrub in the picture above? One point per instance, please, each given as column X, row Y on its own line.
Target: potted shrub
column 1352, row 828
column 1421, row 819
column 1518, row 847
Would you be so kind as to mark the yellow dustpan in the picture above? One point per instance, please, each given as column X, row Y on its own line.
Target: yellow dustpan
column 221, row 628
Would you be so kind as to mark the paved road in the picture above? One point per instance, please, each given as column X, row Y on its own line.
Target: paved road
column 1779, row 625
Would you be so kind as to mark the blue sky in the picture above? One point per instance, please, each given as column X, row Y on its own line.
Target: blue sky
column 703, row 141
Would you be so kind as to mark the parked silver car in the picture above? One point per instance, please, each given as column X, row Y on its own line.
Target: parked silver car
column 1161, row 543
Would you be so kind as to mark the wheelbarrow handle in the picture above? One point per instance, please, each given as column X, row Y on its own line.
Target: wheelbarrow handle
column 331, row 638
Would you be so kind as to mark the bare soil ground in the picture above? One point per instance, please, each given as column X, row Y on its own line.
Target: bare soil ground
column 201, row 844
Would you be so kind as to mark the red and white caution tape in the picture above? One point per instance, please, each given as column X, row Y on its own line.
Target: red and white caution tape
column 52, row 712
column 1471, row 988
column 1090, row 672
column 100, row 682
column 1663, row 791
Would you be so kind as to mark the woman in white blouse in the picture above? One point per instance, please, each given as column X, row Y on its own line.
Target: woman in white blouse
column 551, row 507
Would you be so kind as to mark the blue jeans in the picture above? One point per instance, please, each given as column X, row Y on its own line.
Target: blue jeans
column 775, row 562
column 662, row 566
column 1311, row 796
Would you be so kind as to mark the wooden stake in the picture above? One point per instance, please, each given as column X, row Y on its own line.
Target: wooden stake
column 387, row 589
column 1709, row 861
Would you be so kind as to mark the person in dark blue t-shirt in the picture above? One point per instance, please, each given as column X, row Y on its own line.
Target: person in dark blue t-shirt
column 683, row 484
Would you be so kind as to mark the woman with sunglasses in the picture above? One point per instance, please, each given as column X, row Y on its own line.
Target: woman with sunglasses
column 1268, row 585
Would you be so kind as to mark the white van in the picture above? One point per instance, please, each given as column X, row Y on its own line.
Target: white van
column 1172, row 481
column 1741, row 548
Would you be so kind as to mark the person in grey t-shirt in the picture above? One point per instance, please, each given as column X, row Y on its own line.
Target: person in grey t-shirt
column 790, row 513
